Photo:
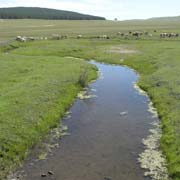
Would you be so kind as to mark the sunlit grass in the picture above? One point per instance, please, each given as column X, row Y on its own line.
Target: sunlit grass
column 159, row 66
column 38, row 81
column 35, row 93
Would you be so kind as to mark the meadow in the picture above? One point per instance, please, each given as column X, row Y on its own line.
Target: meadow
column 9, row 29
column 39, row 80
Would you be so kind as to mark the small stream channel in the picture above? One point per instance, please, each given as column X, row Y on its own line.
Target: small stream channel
column 106, row 133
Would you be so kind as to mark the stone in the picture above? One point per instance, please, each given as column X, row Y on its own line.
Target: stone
column 123, row 113
column 50, row 173
column 43, row 175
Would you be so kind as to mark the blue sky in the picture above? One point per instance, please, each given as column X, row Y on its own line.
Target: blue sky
column 121, row 9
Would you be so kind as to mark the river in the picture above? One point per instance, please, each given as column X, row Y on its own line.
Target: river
column 106, row 133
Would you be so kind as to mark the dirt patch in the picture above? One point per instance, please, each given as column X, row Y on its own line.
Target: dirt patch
column 122, row 50
column 49, row 25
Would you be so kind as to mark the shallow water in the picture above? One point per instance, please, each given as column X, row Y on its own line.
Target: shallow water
column 106, row 133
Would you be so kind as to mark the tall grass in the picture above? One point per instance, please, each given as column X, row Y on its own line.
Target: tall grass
column 83, row 79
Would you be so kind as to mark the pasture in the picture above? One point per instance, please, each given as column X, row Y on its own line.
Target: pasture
column 9, row 29
column 40, row 73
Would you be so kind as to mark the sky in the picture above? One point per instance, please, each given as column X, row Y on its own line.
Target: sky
column 111, row 9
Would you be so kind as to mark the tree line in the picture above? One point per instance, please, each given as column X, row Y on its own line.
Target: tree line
column 43, row 13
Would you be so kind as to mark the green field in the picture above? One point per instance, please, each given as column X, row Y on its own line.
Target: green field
column 35, row 93
column 39, row 81
column 9, row 29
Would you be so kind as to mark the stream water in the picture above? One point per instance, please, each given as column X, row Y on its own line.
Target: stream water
column 106, row 133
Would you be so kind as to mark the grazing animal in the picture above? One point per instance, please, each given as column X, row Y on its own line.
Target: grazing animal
column 163, row 35
column 31, row 38
column 136, row 34
column 150, row 35
column 56, row 36
column 169, row 35
column 79, row 36
column 126, row 35
column 64, row 36
column 122, row 34
column 172, row 35
column 21, row 38
column 119, row 33
column 104, row 36
column 146, row 33
column 18, row 38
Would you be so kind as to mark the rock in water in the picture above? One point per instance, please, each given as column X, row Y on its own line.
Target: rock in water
column 43, row 175
column 123, row 113
column 50, row 173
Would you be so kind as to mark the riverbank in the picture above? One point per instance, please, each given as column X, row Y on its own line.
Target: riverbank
column 35, row 93
column 106, row 128
column 155, row 60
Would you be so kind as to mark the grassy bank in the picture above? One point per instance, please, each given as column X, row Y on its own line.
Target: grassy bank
column 35, row 93
column 31, row 71
column 156, row 60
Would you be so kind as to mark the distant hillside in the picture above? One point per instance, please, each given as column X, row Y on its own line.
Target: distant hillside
column 165, row 19
column 43, row 13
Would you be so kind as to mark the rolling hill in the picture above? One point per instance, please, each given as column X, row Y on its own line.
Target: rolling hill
column 166, row 19
column 43, row 13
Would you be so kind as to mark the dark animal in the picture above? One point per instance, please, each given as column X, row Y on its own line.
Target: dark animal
column 169, row 35
column 136, row 34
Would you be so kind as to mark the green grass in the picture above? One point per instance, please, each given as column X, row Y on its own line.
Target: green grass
column 27, row 27
column 158, row 62
column 28, row 69
column 35, row 93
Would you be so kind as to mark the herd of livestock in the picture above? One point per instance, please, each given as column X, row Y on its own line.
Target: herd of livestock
column 169, row 35
column 136, row 34
column 140, row 33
